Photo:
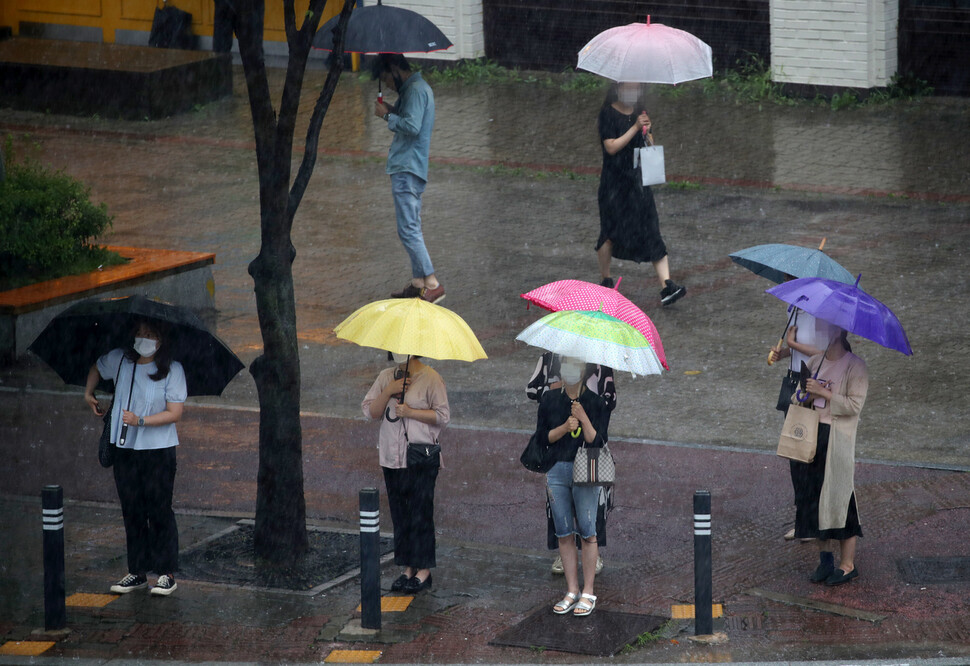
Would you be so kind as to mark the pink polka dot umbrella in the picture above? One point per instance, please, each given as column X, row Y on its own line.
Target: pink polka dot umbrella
column 586, row 296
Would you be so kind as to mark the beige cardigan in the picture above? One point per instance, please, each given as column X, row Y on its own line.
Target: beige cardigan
column 839, row 482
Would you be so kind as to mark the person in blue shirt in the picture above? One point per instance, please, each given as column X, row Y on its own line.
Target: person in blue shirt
column 150, row 391
column 411, row 120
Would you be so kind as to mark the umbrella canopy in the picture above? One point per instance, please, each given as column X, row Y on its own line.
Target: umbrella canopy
column 78, row 336
column 411, row 326
column 594, row 337
column 848, row 307
column 382, row 29
column 647, row 53
column 580, row 295
column 775, row 261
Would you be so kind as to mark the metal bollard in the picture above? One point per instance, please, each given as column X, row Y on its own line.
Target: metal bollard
column 703, row 594
column 55, row 612
column 370, row 566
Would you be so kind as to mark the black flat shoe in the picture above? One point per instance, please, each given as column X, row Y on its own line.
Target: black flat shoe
column 839, row 577
column 415, row 585
column 400, row 583
column 822, row 573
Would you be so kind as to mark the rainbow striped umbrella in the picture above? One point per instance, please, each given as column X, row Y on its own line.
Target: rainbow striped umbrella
column 594, row 337
column 580, row 295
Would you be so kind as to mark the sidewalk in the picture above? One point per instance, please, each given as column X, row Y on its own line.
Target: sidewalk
column 496, row 229
column 493, row 569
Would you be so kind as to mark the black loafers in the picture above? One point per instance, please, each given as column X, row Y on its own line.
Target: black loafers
column 415, row 585
column 822, row 573
column 839, row 577
column 400, row 583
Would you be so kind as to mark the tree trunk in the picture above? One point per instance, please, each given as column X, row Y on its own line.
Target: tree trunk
column 280, row 534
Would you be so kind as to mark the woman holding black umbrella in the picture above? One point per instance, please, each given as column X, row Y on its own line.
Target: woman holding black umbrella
column 150, row 390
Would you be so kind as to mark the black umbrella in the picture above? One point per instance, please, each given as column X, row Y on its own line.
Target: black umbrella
column 382, row 29
column 79, row 335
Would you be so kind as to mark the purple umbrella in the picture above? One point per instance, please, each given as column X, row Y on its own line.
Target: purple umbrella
column 847, row 307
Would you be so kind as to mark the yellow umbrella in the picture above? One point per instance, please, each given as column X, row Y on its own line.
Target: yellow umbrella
column 411, row 326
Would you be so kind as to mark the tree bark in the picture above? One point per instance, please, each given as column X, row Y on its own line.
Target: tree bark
column 280, row 534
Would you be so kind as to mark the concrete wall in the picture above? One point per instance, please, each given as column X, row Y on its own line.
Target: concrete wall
column 847, row 43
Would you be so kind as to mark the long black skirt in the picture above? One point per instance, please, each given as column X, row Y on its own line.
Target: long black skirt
column 807, row 479
column 628, row 218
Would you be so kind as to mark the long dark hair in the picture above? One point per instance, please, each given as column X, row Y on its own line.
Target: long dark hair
column 163, row 357
column 613, row 94
column 844, row 339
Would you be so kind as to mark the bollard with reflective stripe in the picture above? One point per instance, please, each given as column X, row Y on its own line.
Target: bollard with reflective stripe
column 703, row 594
column 52, row 504
column 370, row 554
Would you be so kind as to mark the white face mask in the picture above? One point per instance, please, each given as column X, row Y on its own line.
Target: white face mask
column 571, row 371
column 399, row 358
column 629, row 97
column 145, row 346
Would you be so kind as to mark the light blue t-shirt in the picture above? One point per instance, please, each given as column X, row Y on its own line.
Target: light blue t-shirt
column 411, row 121
column 147, row 397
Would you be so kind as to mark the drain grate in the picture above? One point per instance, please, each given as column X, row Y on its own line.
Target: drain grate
column 229, row 559
column 602, row 634
column 922, row 570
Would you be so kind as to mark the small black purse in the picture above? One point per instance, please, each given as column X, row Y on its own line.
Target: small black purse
column 421, row 455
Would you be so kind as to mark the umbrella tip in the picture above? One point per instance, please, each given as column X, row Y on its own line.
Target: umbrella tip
column 822, row 244
column 616, row 286
column 648, row 19
column 859, row 277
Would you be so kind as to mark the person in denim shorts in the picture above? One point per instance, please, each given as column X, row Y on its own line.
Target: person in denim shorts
column 568, row 417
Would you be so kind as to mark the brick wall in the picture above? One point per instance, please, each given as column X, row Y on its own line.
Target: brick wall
column 848, row 43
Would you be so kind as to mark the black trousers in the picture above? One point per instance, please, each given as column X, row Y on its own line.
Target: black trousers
column 410, row 494
column 145, row 481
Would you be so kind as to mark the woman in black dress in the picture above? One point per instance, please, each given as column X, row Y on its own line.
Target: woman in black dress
column 629, row 226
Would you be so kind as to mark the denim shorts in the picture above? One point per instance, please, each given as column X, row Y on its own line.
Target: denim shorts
column 573, row 507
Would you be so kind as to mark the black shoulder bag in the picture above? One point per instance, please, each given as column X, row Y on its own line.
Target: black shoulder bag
column 421, row 454
column 106, row 450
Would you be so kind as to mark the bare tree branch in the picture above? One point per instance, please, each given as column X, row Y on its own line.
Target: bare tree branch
column 320, row 110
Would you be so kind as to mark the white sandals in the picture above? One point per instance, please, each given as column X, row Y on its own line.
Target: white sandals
column 567, row 604
column 585, row 605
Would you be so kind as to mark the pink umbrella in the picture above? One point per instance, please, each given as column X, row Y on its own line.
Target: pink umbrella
column 586, row 296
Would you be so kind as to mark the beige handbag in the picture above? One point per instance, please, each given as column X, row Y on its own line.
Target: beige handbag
column 799, row 436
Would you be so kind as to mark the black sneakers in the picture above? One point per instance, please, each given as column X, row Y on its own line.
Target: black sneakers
column 672, row 292
column 607, row 282
column 129, row 583
column 165, row 585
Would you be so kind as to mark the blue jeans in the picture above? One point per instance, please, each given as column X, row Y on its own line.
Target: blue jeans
column 407, row 190
column 567, row 500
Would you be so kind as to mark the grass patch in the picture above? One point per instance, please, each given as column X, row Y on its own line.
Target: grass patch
column 684, row 185
column 648, row 637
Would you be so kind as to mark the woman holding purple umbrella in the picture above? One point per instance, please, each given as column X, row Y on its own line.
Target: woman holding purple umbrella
column 827, row 510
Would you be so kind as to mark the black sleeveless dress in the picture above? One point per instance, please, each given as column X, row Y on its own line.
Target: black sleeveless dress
column 628, row 214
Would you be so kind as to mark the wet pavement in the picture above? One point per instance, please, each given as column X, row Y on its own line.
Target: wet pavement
column 511, row 204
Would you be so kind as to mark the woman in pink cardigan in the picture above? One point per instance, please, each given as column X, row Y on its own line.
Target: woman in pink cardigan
column 410, row 458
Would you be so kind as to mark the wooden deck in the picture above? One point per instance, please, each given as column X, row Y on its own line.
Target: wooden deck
column 145, row 265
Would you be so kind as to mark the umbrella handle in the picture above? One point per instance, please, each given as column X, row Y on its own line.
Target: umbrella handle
column 577, row 432
column 776, row 348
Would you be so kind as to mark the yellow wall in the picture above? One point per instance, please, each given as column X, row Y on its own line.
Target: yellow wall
column 111, row 15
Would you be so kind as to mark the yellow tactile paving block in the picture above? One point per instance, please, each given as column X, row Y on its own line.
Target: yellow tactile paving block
column 686, row 611
column 353, row 657
column 26, row 648
column 88, row 600
column 394, row 604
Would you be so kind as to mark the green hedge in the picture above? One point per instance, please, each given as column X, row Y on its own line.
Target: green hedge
column 47, row 223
